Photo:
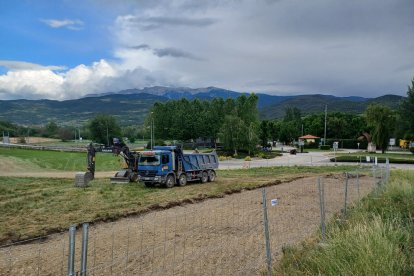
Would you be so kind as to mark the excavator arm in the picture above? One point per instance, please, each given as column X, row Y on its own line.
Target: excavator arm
column 129, row 174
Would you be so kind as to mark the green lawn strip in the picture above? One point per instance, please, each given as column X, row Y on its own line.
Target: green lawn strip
column 377, row 238
column 393, row 158
column 36, row 206
column 63, row 161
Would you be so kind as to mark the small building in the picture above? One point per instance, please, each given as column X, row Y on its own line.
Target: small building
column 309, row 138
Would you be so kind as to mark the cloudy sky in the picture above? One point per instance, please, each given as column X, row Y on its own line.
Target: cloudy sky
column 60, row 49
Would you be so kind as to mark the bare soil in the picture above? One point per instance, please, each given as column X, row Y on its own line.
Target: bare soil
column 33, row 140
column 223, row 236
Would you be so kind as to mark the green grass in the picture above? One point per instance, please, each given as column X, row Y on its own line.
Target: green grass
column 377, row 239
column 33, row 207
column 62, row 161
column 393, row 157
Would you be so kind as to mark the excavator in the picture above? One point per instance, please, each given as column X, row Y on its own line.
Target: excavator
column 128, row 174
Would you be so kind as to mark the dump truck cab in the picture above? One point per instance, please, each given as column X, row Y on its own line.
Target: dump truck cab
column 168, row 166
column 154, row 166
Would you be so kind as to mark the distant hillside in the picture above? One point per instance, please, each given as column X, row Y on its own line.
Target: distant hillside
column 316, row 103
column 130, row 109
column 132, row 106
column 208, row 93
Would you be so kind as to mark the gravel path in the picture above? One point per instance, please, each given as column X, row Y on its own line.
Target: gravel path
column 221, row 236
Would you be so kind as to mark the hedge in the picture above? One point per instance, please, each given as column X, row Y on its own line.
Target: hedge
column 348, row 143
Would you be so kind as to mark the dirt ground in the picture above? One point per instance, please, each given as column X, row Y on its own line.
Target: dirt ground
column 223, row 236
column 33, row 140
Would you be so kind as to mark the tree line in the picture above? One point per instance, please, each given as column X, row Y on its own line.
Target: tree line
column 233, row 121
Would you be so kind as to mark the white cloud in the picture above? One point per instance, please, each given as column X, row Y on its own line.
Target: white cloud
column 32, row 84
column 65, row 23
column 99, row 77
column 14, row 65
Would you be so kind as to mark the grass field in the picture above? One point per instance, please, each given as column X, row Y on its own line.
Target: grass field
column 377, row 239
column 401, row 158
column 55, row 160
column 33, row 207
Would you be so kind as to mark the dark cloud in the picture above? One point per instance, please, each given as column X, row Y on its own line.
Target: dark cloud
column 150, row 23
column 141, row 47
column 172, row 52
column 166, row 52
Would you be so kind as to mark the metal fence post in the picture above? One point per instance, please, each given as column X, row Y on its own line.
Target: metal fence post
column 84, row 256
column 266, row 232
column 322, row 207
column 71, row 255
column 346, row 194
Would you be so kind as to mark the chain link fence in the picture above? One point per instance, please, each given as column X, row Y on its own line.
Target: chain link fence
column 240, row 234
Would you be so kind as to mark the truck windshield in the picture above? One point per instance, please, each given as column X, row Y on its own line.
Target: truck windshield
column 149, row 160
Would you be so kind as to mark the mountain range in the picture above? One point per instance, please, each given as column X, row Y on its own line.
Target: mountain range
column 131, row 106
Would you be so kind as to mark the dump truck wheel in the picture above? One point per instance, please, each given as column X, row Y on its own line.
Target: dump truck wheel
column 211, row 176
column 182, row 180
column 170, row 182
column 204, row 177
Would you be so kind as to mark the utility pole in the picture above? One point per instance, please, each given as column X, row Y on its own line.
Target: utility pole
column 324, row 136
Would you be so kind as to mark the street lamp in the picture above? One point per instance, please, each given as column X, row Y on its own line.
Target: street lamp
column 324, row 135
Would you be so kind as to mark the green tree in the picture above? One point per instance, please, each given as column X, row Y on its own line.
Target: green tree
column 264, row 132
column 274, row 127
column 51, row 129
column 232, row 131
column 381, row 119
column 130, row 132
column 290, row 128
column 66, row 133
column 104, row 128
column 406, row 114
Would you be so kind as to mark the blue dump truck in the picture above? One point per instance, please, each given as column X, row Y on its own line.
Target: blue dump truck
column 169, row 166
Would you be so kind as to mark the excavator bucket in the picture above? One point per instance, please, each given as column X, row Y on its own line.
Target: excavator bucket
column 121, row 177
column 82, row 179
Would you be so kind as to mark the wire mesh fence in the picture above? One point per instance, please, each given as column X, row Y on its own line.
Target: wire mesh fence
column 222, row 236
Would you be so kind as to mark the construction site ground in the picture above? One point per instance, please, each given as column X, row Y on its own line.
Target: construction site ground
column 220, row 236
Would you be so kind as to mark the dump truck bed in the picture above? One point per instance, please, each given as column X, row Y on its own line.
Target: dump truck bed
column 200, row 161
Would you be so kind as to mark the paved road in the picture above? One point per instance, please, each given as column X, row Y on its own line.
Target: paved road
column 300, row 159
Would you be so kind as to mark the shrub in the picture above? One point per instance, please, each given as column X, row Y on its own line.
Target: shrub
column 348, row 143
column 247, row 158
column 222, row 158
column 311, row 146
column 21, row 140
column 325, row 147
